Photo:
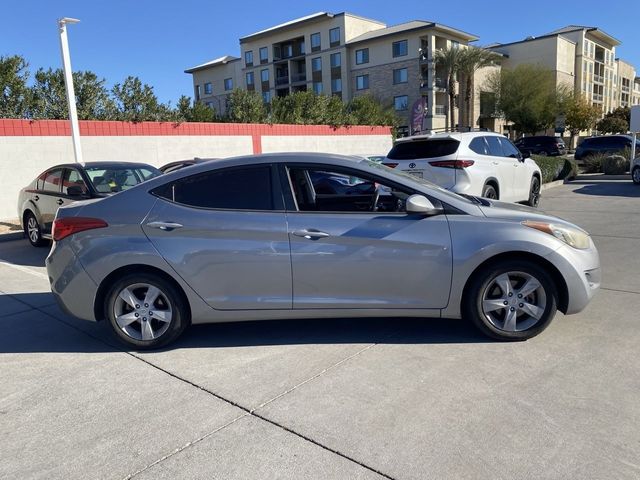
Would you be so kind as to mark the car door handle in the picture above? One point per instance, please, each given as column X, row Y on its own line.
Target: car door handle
column 496, row 163
column 60, row 201
column 166, row 226
column 36, row 198
column 310, row 234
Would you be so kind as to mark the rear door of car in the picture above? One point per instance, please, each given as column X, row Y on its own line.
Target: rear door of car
column 521, row 177
column 505, row 168
column 224, row 231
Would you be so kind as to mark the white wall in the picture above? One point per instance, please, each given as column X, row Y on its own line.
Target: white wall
column 346, row 145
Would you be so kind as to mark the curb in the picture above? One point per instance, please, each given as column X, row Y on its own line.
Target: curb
column 8, row 237
column 547, row 186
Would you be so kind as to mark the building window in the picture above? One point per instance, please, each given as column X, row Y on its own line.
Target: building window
column 264, row 75
column 249, row 78
column 401, row 102
column 362, row 56
column 315, row 42
column 210, row 105
column 207, row 88
column 400, row 49
column 334, row 37
column 400, row 75
column 264, row 55
column 336, row 85
column 316, row 64
column 197, row 92
column 228, row 83
column 266, row 97
column 362, row 82
column 317, row 88
column 248, row 58
column 336, row 60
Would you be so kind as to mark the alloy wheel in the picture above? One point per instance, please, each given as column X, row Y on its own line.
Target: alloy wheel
column 514, row 301
column 142, row 311
column 33, row 230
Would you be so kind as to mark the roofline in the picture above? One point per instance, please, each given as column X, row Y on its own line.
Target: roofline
column 470, row 37
column 613, row 40
column 541, row 37
column 288, row 25
column 204, row 66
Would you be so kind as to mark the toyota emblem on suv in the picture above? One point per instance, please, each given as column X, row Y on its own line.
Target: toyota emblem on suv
column 412, row 165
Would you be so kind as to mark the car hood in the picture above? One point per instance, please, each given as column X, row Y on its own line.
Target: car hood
column 519, row 213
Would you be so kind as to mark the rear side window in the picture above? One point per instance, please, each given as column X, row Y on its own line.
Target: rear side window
column 423, row 149
column 236, row 189
column 478, row 145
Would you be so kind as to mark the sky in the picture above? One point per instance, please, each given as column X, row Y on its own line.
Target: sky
column 157, row 40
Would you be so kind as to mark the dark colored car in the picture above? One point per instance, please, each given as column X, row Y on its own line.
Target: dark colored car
column 541, row 145
column 173, row 166
column 607, row 144
column 63, row 184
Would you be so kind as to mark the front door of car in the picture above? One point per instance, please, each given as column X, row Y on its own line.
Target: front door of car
column 356, row 247
column 225, row 233
column 73, row 187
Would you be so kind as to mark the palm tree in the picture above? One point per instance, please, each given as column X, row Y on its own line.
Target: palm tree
column 471, row 60
column 449, row 60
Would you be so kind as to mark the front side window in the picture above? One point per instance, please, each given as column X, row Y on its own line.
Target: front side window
column 362, row 56
column 207, row 88
column 362, row 82
column 72, row 178
column 236, row 189
column 508, row 149
column 401, row 102
column 315, row 42
column 228, row 83
column 264, row 55
column 316, row 64
column 336, row 60
column 400, row 49
column 248, row 58
column 343, row 190
column 334, row 37
column 400, row 75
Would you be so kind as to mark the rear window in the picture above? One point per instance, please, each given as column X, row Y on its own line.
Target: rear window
column 423, row 149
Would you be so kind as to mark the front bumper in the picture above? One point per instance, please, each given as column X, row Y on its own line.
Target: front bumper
column 72, row 287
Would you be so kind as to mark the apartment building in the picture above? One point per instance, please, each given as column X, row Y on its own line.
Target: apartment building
column 624, row 83
column 345, row 55
column 636, row 91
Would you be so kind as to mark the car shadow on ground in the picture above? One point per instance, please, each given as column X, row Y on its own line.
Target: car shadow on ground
column 608, row 188
column 45, row 330
column 21, row 252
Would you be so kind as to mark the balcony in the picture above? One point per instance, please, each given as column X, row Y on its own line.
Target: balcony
column 597, row 97
column 282, row 80
column 625, row 89
column 299, row 77
column 598, row 78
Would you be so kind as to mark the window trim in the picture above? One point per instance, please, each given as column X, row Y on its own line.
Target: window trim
column 399, row 70
column 406, row 41
column 277, row 197
column 400, row 109
column 364, row 61
column 315, row 48
column 365, row 87
column 246, row 63
column 263, row 60
column 335, row 43
column 335, row 55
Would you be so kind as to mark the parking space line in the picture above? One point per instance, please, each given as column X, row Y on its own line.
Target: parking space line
column 24, row 269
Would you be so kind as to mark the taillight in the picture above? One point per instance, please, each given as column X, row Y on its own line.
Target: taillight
column 63, row 227
column 459, row 164
column 390, row 165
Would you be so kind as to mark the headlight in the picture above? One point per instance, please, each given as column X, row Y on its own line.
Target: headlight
column 571, row 236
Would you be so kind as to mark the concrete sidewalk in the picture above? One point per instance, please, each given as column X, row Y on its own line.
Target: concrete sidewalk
column 382, row 398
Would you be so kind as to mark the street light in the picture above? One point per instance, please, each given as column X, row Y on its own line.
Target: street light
column 68, row 81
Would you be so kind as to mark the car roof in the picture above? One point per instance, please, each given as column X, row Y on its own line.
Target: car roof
column 101, row 164
column 447, row 135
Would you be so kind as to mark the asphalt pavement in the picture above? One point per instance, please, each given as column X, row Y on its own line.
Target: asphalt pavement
column 369, row 398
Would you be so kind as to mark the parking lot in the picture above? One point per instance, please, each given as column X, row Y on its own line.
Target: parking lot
column 379, row 398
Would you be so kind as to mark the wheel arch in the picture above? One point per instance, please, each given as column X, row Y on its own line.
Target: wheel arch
column 558, row 279
column 103, row 288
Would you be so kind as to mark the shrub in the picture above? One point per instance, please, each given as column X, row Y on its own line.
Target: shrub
column 615, row 165
column 593, row 163
column 556, row 168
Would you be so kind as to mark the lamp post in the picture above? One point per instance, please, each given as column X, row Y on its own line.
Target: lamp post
column 68, row 81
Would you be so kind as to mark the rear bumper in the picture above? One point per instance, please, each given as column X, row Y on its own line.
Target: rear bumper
column 72, row 287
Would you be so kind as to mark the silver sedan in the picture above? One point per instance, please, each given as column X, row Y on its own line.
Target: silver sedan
column 304, row 235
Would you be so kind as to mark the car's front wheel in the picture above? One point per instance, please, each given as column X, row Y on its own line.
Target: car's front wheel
column 145, row 311
column 635, row 175
column 511, row 300
column 33, row 231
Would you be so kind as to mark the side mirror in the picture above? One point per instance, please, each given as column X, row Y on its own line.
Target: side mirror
column 421, row 204
column 526, row 154
column 75, row 191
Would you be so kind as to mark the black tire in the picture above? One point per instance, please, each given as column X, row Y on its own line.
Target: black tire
column 33, row 231
column 489, row 192
column 635, row 175
column 534, row 192
column 481, row 281
column 170, row 298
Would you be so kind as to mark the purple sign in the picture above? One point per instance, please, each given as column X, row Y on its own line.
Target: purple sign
column 417, row 114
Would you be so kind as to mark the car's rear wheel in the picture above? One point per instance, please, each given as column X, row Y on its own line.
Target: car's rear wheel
column 145, row 311
column 534, row 192
column 489, row 191
column 33, row 231
column 511, row 300
column 635, row 175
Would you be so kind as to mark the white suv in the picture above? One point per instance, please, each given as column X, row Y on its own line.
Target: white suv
column 483, row 164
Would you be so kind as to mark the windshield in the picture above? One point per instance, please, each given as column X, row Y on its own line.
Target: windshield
column 118, row 178
column 413, row 178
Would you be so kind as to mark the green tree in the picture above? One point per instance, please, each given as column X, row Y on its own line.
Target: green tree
column 367, row 110
column 186, row 111
column 527, row 96
column 580, row 115
column 136, row 102
column 49, row 98
column 471, row 60
column 617, row 121
column 246, row 106
column 449, row 60
column 14, row 93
